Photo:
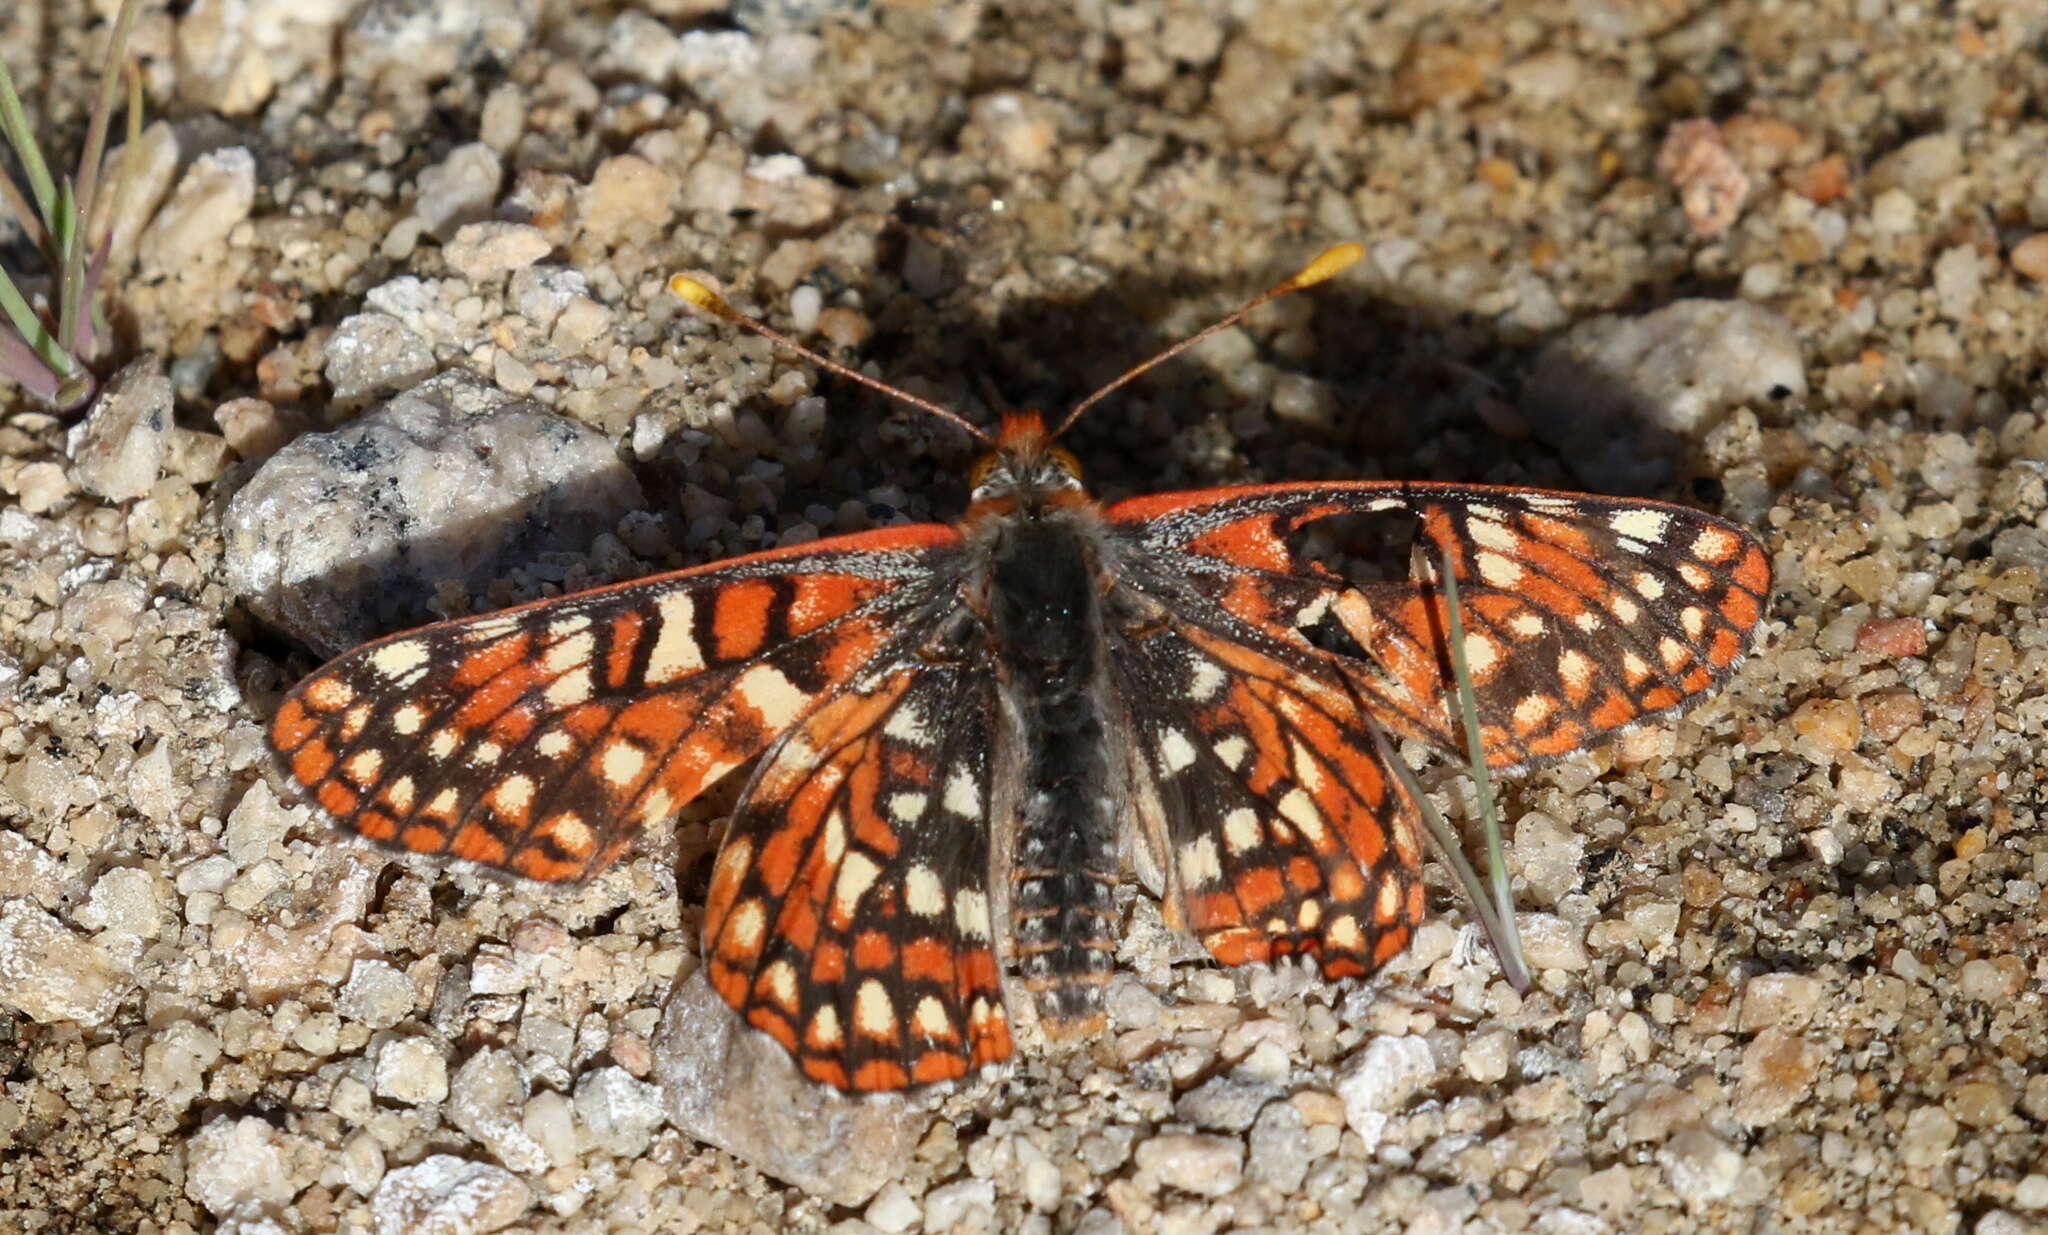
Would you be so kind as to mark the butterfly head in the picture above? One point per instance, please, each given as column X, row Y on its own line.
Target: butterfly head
column 1025, row 465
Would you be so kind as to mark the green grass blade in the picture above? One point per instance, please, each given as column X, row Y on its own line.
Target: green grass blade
column 14, row 127
column 33, row 332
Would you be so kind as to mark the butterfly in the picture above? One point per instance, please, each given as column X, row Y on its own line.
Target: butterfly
column 966, row 733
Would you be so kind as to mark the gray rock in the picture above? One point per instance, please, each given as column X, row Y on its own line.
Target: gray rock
column 427, row 40
column 446, row 1195
column 460, row 189
column 376, row 995
column 235, row 1162
column 1379, row 1080
column 1224, row 1103
column 487, row 1100
column 49, row 972
column 1280, row 1152
column 621, row 1112
column 345, row 535
column 372, row 354
column 737, row 1089
column 1621, row 396
column 118, row 450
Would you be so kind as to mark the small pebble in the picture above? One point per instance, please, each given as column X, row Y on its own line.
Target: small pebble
column 1204, row 1165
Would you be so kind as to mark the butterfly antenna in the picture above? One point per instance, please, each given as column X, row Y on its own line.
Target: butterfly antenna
column 711, row 302
column 1326, row 264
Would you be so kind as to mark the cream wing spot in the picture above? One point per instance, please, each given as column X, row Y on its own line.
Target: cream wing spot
column 907, row 725
column 1498, row 569
column 835, row 837
column 1175, row 751
column 1647, row 586
column 1714, row 545
column 572, row 688
column 1525, row 625
column 1625, row 611
column 554, row 744
column 1200, row 864
column 444, row 804
column 1588, row 621
column 1640, row 524
column 1205, row 680
column 1489, row 532
column 395, row 661
column 908, row 807
column 1233, row 751
column 768, row 691
column 656, row 806
column 1344, row 933
column 1533, row 710
column 1387, row 904
column 675, row 653
column 779, row 981
column 923, row 894
column 1299, row 809
column 825, row 1027
column 1241, row 830
column 1482, row 654
column 486, row 754
column 1576, row 670
column 569, row 833
column 963, row 795
column 1694, row 620
column 931, row 1019
column 874, row 1015
column 400, row 793
column 330, row 694
column 970, row 914
column 408, row 719
column 747, row 926
column 856, row 875
column 572, row 652
column 363, row 766
column 513, row 795
column 443, row 743
column 621, row 763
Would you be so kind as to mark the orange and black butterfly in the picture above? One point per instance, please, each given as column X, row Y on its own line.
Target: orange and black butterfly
column 966, row 732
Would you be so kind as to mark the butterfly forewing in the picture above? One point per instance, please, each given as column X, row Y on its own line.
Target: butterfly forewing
column 1583, row 615
column 542, row 739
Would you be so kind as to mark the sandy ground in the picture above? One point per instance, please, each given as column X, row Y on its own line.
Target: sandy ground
column 1790, row 948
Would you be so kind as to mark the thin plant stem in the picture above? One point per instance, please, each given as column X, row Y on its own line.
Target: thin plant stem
column 1508, row 941
column 102, row 111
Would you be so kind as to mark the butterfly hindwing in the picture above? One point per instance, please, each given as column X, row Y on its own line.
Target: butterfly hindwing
column 1283, row 832
column 849, row 916
column 542, row 739
column 1583, row 615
